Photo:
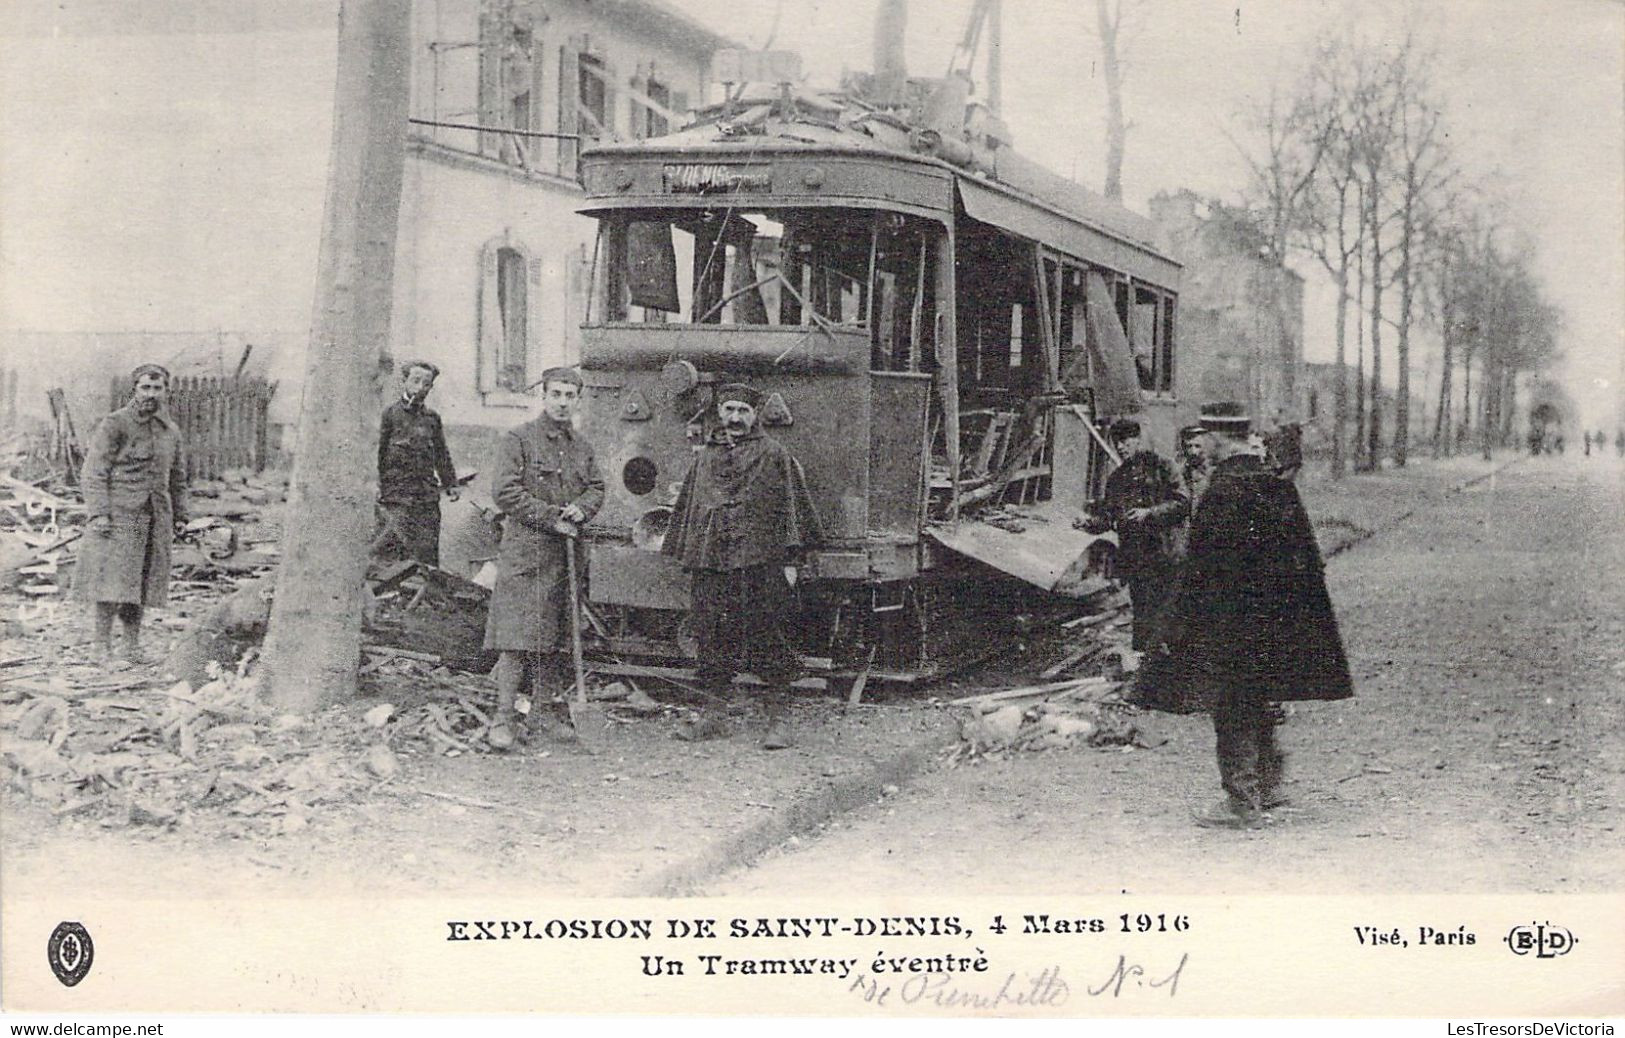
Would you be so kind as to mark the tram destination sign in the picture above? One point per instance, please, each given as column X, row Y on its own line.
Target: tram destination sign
column 704, row 178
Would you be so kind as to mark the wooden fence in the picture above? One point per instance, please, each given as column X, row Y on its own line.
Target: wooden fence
column 222, row 421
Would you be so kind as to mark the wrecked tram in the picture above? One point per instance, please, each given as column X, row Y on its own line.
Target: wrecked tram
column 940, row 330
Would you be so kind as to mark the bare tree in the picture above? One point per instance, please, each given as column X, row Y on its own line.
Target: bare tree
column 1332, row 225
column 1113, row 57
column 1425, row 170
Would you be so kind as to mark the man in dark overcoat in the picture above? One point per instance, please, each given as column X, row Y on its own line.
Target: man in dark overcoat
column 134, row 484
column 1250, row 623
column 1144, row 503
column 742, row 520
column 414, row 469
column 544, row 473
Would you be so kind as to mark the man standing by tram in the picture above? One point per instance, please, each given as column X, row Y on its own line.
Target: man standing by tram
column 545, row 473
column 1144, row 504
column 742, row 520
column 1250, row 624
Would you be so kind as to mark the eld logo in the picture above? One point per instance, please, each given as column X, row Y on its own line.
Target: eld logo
column 1543, row 939
column 70, row 952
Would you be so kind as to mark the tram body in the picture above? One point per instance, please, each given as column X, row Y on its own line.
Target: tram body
column 939, row 343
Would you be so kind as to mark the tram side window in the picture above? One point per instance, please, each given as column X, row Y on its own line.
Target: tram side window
column 1150, row 327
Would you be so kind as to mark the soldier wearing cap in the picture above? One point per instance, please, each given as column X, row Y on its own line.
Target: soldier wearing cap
column 1144, row 504
column 414, row 469
column 544, row 474
column 741, row 522
column 134, row 484
column 1250, row 623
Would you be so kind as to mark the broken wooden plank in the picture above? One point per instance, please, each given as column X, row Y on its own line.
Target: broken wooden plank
column 409, row 654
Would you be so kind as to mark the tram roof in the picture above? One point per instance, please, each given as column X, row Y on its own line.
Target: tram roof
column 1008, row 190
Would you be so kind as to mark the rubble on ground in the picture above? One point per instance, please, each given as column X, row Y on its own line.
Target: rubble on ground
column 1087, row 709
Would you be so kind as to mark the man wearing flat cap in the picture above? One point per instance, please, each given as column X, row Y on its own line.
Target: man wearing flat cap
column 1250, row 622
column 414, row 469
column 1144, row 504
column 134, row 484
column 742, row 520
column 544, row 475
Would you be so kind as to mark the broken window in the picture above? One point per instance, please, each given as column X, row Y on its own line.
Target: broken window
column 785, row 268
column 510, row 53
column 654, row 106
column 1151, row 335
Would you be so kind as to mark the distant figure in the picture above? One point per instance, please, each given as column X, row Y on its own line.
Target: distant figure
column 1192, row 463
column 134, row 483
column 1557, row 443
column 741, row 523
column 1588, row 443
column 1144, row 503
column 1619, row 443
column 414, row 469
column 1250, row 623
column 1534, row 442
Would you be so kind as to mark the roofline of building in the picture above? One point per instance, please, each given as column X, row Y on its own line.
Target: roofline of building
column 680, row 28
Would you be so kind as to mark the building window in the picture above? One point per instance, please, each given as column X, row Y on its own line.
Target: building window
column 592, row 97
column 510, row 80
column 651, row 108
column 513, row 310
column 586, row 100
column 510, row 287
column 1314, row 404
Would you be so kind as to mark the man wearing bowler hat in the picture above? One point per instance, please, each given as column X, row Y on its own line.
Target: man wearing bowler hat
column 742, row 520
column 544, row 473
column 134, row 482
column 1250, row 623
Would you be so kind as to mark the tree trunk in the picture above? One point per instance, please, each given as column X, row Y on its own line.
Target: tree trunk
column 1486, row 395
column 1402, row 347
column 1340, row 391
column 1441, row 418
column 1107, row 22
column 314, row 644
column 1359, row 368
column 1373, row 454
column 1466, row 400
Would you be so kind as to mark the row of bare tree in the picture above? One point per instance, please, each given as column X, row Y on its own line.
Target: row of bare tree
column 1352, row 164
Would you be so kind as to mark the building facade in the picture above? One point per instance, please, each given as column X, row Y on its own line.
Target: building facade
column 492, row 263
column 1240, row 314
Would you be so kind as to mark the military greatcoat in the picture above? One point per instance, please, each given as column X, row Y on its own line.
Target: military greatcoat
column 742, row 515
column 135, row 475
column 541, row 467
column 1250, row 610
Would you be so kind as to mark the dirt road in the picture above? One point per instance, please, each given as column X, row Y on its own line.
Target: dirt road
column 1484, row 751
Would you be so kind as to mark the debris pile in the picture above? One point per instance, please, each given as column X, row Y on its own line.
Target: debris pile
column 39, row 522
column 127, row 755
column 1073, row 711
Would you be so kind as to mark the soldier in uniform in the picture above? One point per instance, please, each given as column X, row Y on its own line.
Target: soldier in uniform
column 134, row 483
column 544, row 474
column 1143, row 502
column 414, row 468
column 1251, row 622
column 742, row 520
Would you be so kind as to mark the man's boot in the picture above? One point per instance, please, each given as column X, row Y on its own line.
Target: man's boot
column 777, row 736
column 510, row 671
column 129, row 617
column 105, row 611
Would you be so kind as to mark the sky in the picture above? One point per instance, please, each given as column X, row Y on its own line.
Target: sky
column 164, row 169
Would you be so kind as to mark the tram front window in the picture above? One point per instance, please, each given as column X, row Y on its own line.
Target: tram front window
column 780, row 267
